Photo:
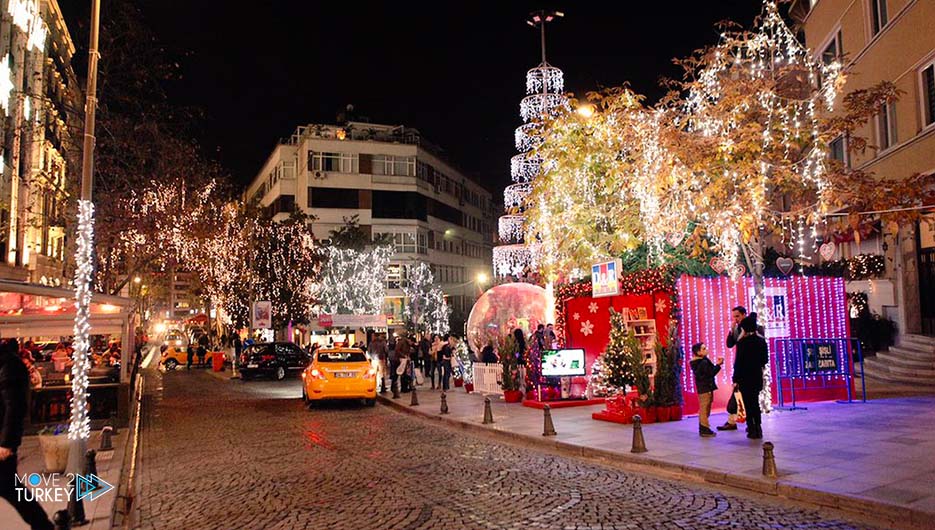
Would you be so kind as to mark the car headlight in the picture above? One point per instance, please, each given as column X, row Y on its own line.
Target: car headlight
column 178, row 343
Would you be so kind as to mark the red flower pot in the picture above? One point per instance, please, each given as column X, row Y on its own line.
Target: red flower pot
column 459, row 382
column 662, row 414
column 675, row 414
column 469, row 387
column 512, row 396
column 647, row 414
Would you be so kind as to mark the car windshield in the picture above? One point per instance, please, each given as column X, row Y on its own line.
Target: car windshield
column 342, row 357
column 257, row 348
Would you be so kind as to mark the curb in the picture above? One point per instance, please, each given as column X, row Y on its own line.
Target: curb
column 872, row 510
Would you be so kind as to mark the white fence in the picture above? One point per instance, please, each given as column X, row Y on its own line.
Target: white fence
column 487, row 378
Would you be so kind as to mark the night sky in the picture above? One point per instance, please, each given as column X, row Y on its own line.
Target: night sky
column 453, row 70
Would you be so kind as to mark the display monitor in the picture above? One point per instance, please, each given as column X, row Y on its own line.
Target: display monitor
column 563, row 363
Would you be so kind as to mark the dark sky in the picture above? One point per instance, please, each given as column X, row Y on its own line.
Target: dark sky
column 454, row 70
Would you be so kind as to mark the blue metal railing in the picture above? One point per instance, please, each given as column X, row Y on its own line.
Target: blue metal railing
column 818, row 363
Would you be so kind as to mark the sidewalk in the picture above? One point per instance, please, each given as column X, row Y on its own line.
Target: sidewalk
column 874, row 460
column 98, row 512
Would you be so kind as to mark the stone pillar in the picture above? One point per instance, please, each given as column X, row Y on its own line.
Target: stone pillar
column 907, row 281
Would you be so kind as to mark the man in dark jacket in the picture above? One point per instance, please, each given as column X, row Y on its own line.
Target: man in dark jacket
column 752, row 356
column 14, row 384
column 705, row 385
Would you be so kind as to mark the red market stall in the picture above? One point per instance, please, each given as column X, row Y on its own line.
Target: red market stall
column 806, row 319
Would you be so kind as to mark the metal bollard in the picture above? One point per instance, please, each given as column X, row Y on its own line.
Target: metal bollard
column 106, row 442
column 488, row 414
column 444, row 404
column 395, row 390
column 61, row 520
column 75, row 507
column 548, row 428
column 769, row 460
column 90, row 467
column 414, row 401
column 113, row 422
column 639, row 445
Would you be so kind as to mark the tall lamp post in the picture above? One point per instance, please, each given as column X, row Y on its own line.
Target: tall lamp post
column 79, row 429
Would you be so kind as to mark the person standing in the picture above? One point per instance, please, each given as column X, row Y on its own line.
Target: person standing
column 705, row 385
column 487, row 355
column 14, row 386
column 189, row 356
column 445, row 354
column 436, row 360
column 733, row 335
column 404, row 367
column 425, row 353
column 752, row 357
column 550, row 338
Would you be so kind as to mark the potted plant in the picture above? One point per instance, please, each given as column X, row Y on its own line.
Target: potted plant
column 53, row 440
column 509, row 381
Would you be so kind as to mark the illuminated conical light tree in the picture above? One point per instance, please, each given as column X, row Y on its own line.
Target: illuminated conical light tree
column 545, row 99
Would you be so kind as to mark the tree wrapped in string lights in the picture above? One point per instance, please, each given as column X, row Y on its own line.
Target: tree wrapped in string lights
column 352, row 280
column 426, row 309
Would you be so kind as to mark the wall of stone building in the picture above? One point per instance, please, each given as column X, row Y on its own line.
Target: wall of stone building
column 907, row 281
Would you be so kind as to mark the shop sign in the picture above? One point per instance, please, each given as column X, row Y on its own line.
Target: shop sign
column 820, row 357
column 262, row 315
column 605, row 278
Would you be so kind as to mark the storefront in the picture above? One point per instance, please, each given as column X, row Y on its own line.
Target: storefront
column 45, row 317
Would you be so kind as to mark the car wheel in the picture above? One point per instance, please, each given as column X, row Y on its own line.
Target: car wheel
column 280, row 373
column 171, row 364
column 370, row 402
column 246, row 376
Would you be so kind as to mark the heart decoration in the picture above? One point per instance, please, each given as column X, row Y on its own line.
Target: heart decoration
column 827, row 250
column 737, row 271
column 717, row 264
column 785, row 265
column 675, row 238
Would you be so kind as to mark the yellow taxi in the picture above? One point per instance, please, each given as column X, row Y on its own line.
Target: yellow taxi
column 173, row 357
column 339, row 373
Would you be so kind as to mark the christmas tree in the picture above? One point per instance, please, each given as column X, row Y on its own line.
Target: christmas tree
column 464, row 368
column 623, row 359
column 597, row 387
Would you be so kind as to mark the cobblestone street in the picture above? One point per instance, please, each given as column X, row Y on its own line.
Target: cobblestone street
column 222, row 454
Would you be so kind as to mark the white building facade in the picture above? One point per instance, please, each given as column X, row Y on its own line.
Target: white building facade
column 397, row 185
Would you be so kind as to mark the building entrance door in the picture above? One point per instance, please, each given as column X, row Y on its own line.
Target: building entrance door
column 926, row 246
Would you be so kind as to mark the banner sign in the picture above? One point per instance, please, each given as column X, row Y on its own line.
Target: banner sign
column 820, row 357
column 262, row 315
column 352, row 321
column 604, row 279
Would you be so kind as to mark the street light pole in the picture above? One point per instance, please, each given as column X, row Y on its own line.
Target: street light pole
column 79, row 428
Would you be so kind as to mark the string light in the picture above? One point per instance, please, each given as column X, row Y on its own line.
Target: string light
column 352, row 281
column 426, row 307
column 80, row 426
column 6, row 82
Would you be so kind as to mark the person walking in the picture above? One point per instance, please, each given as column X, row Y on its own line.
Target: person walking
column 404, row 364
column 705, row 385
column 487, row 355
column 14, row 386
column 425, row 347
column 752, row 357
column 189, row 356
column 436, row 360
column 377, row 351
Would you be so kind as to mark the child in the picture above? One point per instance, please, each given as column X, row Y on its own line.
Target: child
column 704, row 371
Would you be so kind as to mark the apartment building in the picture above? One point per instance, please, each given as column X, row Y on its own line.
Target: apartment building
column 888, row 40
column 398, row 185
column 41, row 102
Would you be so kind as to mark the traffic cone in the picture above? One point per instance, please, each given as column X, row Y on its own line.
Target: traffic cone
column 639, row 445
column 488, row 414
column 548, row 428
column 444, row 404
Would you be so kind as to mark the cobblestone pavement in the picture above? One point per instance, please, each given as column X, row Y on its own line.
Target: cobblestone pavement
column 248, row 455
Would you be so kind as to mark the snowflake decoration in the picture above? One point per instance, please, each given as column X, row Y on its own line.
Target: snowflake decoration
column 518, row 270
column 587, row 328
column 660, row 305
column 576, row 316
column 593, row 307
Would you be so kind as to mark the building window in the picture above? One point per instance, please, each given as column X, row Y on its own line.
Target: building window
column 838, row 150
column 886, row 126
column 878, row 17
column 335, row 162
column 396, row 276
column 833, row 51
column 408, row 242
column 333, row 198
column 928, row 95
column 404, row 166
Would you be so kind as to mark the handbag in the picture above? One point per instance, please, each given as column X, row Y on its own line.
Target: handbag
column 732, row 405
column 401, row 369
column 420, row 377
column 741, row 409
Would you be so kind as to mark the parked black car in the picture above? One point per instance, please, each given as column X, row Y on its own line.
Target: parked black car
column 275, row 359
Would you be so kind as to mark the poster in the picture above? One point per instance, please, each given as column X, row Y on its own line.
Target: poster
column 262, row 315
column 776, row 320
column 820, row 357
column 604, row 279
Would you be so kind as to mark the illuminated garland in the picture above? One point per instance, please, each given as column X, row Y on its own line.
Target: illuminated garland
column 80, row 426
column 426, row 308
column 352, row 281
column 863, row 266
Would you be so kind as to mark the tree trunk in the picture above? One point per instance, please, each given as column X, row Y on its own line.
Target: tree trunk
column 753, row 255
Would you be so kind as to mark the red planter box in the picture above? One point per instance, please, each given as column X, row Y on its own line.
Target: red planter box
column 459, row 382
column 513, row 396
column 662, row 413
column 469, row 387
column 647, row 414
column 675, row 413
